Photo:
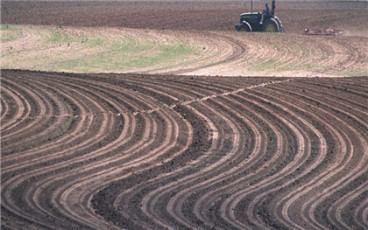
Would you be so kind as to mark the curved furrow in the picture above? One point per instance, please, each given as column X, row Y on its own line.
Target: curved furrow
column 220, row 47
column 355, row 95
column 310, row 168
column 271, row 169
column 247, row 179
column 5, row 108
column 83, row 105
column 243, row 52
column 25, row 40
column 309, row 52
column 43, row 186
column 339, row 166
column 20, row 183
column 147, row 99
column 178, row 88
column 51, row 150
column 26, row 175
column 227, row 173
column 182, row 152
column 93, row 169
column 324, row 186
column 216, row 172
column 104, row 175
column 169, row 148
column 183, row 90
column 361, row 208
column 352, row 174
column 19, row 108
column 346, row 106
column 124, row 97
column 348, row 204
column 35, row 124
column 129, row 218
column 345, row 102
column 354, row 53
column 169, row 91
column 152, row 199
column 207, row 205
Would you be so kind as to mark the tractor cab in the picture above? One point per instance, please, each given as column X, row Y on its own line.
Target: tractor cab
column 253, row 22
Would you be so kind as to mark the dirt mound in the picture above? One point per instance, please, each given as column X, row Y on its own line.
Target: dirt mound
column 111, row 151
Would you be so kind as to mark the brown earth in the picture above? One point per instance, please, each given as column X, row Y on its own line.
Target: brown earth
column 203, row 24
column 112, row 151
column 143, row 151
column 183, row 15
column 215, row 53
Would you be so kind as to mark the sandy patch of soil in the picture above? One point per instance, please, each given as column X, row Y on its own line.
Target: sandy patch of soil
column 212, row 53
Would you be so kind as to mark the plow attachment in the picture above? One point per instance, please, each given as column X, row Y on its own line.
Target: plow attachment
column 326, row 32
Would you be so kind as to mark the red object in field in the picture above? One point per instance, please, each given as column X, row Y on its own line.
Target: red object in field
column 328, row 31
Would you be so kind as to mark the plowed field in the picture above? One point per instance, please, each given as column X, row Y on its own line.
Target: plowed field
column 181, row 152
column 181, row 37
column 156, row 146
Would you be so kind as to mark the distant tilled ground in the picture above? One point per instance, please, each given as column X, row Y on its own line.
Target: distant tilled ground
column 93, row 37
column 166, row 151
column 183, row 15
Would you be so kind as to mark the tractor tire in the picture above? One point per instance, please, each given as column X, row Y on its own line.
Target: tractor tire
column 281, row 29
column 270, row 25
column 245, row 27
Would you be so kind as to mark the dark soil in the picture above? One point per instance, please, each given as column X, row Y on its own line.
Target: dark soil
column 208, row 160
column 136, row 151
column 182, row 15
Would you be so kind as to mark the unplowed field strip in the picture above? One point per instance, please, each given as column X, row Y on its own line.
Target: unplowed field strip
column 129, row 151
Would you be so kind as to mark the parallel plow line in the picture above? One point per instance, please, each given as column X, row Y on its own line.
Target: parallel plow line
column 153, row 152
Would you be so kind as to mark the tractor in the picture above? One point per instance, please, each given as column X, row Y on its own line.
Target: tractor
column 256, row 21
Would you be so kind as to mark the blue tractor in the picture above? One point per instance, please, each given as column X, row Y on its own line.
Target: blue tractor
column 262, row 22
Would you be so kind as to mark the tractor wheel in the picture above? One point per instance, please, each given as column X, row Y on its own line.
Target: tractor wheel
column 245, row 27
column 279, row 24
column 270, row 26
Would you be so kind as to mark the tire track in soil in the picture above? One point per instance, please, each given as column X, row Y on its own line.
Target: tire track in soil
column 153, row 152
